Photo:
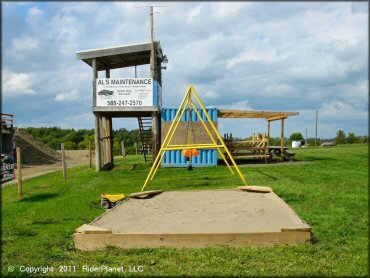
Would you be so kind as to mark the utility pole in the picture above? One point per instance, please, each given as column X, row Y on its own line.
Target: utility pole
column 317, row 116
column 156, row 137
column 152, row 60
column 306, row 137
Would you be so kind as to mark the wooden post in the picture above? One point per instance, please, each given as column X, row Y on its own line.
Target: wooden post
column 282, row 140
column 155, row 135
column 110, row 138
column 95, row 76
column 268, row 132
column 97, row 116
column 108, row 144
column 123, row 150
column 97, row 143
column 136, row 148
column 102, row 141
column 90, row 154
column 109, row 129
column 64, row 161
column 19, row 173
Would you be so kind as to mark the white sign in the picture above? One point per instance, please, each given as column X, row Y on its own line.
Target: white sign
column 116, row 92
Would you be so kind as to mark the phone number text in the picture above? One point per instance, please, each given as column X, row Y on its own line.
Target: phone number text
column 124, row 102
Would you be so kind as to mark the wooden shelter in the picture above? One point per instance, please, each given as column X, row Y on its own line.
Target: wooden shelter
column 267, row 115
column 106, row 59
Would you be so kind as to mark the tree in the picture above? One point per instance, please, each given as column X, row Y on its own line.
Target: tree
column 117, row 148
column 364, row 139
column 296, row 137
column 311, row 142
column 70, row 145
column 352, row 138
column 341, row 137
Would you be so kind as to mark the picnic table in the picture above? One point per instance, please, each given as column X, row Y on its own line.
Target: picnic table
column 276, row 151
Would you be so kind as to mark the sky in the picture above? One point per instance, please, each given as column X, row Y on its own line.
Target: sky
column 279, row 56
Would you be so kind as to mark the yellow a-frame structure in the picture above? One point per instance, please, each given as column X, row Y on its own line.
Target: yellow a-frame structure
column 166, row 146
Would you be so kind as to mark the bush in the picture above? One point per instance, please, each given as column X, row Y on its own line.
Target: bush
column 70, row 145
column 117, row 148
column 352, row 138
column 296, row 137
column 82, row 146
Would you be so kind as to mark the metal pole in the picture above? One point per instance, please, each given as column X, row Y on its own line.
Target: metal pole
column 306, row 137
column 317, row 115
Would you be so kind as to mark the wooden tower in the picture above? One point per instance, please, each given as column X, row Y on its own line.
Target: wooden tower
column 124, row 97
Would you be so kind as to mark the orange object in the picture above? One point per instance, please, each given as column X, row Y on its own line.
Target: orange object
column 188, row 152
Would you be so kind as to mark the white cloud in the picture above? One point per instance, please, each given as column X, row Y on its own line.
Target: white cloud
column 256, row 55
column 339, row 110
column 241, row 105
column 211, row 95
column 24, row 44
column 34, row 15
column 18, row 84
column 194, row 13
column 66, row 31
column 277, row 89
column 72, row 95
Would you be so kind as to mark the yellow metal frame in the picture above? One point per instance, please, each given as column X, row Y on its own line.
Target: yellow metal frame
column 166, row 146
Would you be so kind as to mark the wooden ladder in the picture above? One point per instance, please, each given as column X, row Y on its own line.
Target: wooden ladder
column 145, row 128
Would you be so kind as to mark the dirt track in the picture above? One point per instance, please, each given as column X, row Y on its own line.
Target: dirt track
column 73, row 158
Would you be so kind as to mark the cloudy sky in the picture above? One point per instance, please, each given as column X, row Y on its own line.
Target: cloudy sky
column 282, row 56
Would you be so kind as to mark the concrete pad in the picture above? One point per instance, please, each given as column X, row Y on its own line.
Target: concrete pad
column 197, row 219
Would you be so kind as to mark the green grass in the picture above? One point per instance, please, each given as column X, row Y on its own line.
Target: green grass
column 330, row 192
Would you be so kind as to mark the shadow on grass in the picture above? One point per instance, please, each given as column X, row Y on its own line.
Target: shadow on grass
column 313, row 158
column 39, row 197
column 241, row 161
column 267, row 175
column 47, row 221
column 132, row 167
column 314, row 240
column 246, row 161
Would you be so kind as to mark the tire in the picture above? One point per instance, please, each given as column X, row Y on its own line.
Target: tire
column 106, row 204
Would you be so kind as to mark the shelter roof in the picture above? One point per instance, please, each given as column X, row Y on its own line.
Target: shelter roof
column 120, row 56
column 268, row 115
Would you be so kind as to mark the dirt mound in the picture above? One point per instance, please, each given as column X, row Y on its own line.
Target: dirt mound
column 34, row 152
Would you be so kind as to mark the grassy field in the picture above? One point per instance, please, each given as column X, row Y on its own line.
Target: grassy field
column 330, row 192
